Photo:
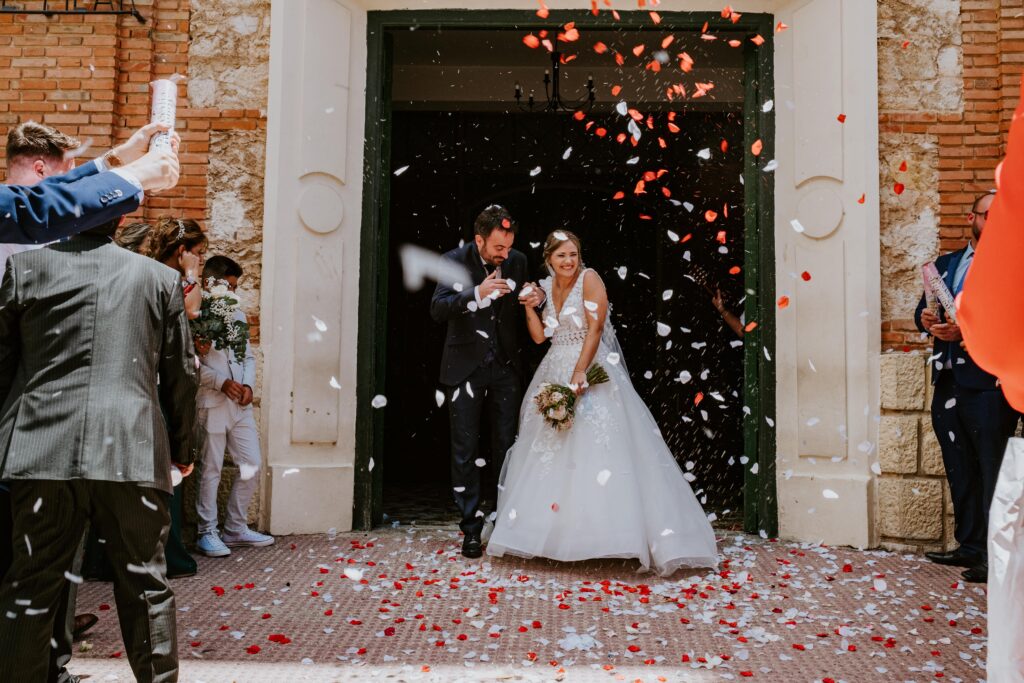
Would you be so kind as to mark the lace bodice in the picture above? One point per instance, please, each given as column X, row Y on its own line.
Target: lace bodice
column 570, row 325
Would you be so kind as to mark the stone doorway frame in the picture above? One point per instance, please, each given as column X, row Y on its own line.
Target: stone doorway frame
column 827, row 343
column 759, row 500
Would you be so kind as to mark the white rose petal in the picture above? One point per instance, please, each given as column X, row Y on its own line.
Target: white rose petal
column 830, row 494
column 612, row 359
column 603, row 476
column 379, row 401
column 663, row 329
column 439, row 397
column 334, row 383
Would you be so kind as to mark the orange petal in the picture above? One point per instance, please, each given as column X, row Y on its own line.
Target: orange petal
column 783, row 301
column 862, row 199
column 619, row 195
column 841, row 118
column 750, row 326
column 757, row 40
column 531, row 41
column 710, row 216
column 600, row 48
column 616, row 89
column 756, row 147
column 639, row 189
column 724, row 146
column 656, row 18
column 638, row 50
column 903, row 167
column 780, row 27
column 673, row 128
column 667, row 41
column 735, row 270
column 898, row 188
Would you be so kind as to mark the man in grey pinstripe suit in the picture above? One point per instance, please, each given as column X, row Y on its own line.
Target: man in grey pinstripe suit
column 85, row 329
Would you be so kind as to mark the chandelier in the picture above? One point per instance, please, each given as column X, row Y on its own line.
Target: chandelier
column 553, row 92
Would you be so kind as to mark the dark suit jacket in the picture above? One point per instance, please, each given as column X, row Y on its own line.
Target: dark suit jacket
column 85, row 329
column 61, row 206
column 965, row 371
column 464, row 347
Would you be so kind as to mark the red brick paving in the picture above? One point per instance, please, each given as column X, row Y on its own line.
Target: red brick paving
column 775, row 611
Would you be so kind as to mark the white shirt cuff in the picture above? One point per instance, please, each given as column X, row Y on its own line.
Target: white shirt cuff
column 101, row 164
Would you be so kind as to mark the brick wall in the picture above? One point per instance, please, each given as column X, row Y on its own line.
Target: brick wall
column 90, row 75
column 964, row 143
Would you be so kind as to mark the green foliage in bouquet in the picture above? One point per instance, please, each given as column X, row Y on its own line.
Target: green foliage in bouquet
column 217, row 324
column 557, row 402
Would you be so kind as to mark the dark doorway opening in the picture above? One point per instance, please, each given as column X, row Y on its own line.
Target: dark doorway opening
column 462, row 146
column 440, row 117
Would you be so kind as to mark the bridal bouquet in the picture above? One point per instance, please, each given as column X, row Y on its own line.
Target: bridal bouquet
column 217, row 321
column 557, row 402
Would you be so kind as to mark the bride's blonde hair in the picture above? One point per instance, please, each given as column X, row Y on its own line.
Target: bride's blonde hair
column 557, row 239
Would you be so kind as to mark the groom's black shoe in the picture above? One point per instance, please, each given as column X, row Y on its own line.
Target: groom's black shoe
column 976, row 574
column 471, row 546
column 954, row 558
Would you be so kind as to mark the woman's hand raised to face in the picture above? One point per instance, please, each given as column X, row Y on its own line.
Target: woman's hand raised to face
column 189, row 264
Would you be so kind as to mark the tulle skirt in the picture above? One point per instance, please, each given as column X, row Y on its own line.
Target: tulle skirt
column 606, row 488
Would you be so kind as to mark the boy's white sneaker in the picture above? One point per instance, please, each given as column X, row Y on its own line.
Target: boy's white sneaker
column 248, row 537
column 211, row 545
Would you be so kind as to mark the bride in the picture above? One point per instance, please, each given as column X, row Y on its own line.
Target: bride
column 608, row 487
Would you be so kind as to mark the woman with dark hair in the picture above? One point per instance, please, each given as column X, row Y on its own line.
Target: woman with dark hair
column 138, row 237
column 134, row 237
column 180, row 243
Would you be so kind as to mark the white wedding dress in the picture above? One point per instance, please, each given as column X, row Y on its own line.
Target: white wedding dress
column 609, row 486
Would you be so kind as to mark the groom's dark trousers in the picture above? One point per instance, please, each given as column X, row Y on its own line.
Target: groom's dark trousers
column 481, row 368
column 86, row 328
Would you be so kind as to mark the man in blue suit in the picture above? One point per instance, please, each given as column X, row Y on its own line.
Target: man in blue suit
column 971, row 417
column 90, row 195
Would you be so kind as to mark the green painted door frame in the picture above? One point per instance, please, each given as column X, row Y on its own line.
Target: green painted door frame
column 760, row 510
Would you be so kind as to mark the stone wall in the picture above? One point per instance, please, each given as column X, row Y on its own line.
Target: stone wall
column 948, row 81
column 914, row 509
column 949, row 73
column 228, row 59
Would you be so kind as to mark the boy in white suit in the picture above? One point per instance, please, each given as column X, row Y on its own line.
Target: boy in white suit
column 225, row 395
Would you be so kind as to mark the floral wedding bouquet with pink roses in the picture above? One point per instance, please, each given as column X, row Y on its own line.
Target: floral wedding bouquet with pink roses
column 557, row 402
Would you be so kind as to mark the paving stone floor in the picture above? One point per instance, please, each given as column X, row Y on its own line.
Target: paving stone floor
column 402, row 604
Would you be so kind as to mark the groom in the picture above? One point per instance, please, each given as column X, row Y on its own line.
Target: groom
column 481, row 361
